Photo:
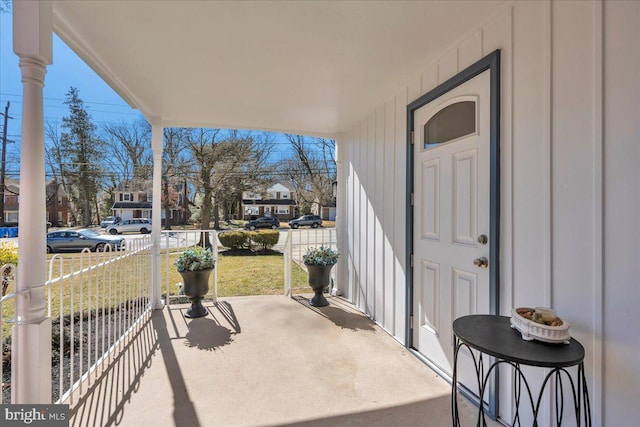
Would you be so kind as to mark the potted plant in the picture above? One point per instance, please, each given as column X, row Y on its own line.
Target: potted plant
column 195, row 266
column 319, row 262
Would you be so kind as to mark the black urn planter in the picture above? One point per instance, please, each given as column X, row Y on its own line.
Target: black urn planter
column 196, row 286
column 319, row 278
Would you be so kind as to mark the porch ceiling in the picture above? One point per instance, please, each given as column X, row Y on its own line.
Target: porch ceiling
column 306, row 67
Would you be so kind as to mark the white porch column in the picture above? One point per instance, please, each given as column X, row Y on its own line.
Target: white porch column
column 156, row 226
column 31, row 340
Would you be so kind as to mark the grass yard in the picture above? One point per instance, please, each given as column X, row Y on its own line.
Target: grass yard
column 107, row 286
column 243, row 275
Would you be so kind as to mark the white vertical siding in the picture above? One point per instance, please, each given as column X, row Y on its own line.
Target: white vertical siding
column 621, row 290
column 370, row 197
column 569, row 184
column 399, row 201
column 378, row 207
column 362, row 219
column 389, row 210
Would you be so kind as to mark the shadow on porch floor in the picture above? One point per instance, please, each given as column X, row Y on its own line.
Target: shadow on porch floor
column 266, row 360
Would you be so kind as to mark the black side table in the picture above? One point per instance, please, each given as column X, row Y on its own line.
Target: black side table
column 493, row 336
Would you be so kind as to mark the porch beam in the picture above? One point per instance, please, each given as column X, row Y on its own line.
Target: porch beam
column 31, row 343
column 157, row 130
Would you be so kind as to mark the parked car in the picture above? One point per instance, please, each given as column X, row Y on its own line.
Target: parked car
column 263, row 222
column 311, row 220
column 77, row 240
column 107, row 221
column 131, row 225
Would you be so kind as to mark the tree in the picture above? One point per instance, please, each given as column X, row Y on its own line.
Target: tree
column 57, row 167
column 312, row 169
column 255, row 171
column 225, row 162
column 174, row 170
column 80, row 154
column 129, row 159
column 129, row 146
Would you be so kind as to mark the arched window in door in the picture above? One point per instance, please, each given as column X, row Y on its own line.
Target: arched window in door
column 452, row 122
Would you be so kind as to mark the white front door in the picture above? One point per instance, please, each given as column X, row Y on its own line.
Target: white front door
column 451, row 220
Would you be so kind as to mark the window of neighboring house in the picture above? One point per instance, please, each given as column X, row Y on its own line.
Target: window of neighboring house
column 282, row 210
column 126, row 198
column 271, row 195
column 59, row 200
column 59, row 217
column 252, row 210
column 11, row 217
column 284, row 195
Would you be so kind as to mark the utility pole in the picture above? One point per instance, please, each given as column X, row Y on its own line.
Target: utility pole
column 4, row 158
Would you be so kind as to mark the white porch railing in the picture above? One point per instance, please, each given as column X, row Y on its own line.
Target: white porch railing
column 174, row 243
column 296, row 245
column 95, row 300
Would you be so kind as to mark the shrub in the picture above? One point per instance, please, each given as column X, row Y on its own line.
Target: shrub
column 8, row 255
column 265, row 239
column 235, row 239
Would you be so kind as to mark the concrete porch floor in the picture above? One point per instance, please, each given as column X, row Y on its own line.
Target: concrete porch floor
column 266, row 361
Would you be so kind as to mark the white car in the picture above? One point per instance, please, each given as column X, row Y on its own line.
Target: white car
column 107, row 221
column 132, row 225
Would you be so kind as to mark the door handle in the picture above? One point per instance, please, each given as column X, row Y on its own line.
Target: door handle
column 481, row 262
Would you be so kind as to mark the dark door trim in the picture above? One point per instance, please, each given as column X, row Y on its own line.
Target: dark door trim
column 490, row 62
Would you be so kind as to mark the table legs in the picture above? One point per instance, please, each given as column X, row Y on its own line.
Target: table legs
column 522, row 391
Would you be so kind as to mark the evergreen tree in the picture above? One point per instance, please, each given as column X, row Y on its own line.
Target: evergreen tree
column 80, row 154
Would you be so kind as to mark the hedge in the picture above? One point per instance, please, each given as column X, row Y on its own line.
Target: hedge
column 265, row 238
column 242, row 239
column 235, row 239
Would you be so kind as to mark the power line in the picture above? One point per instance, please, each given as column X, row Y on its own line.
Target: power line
column 62, row 100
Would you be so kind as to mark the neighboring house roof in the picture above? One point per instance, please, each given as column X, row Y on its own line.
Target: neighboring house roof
column 132, row 205
column 279, row 186
column 12, row 186
column 54, row 188
column 283, row 202
column 135, row 185
column 288, row 185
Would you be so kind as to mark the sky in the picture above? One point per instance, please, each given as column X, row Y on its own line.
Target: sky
column 103, row 103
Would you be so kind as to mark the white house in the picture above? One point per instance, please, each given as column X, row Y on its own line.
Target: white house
column 279, row 201
column 131, row 200
column 544, row 162
column 134, row 199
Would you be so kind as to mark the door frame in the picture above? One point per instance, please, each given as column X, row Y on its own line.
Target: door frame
column 490, row 62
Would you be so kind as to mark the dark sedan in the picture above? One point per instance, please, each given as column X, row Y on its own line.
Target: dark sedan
column 77, row 240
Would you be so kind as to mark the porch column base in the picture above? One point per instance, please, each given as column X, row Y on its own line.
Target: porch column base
column 157, row 305
column 31, row 362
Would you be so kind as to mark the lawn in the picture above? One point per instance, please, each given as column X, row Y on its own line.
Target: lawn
column 243, row 275
column 113, row 284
